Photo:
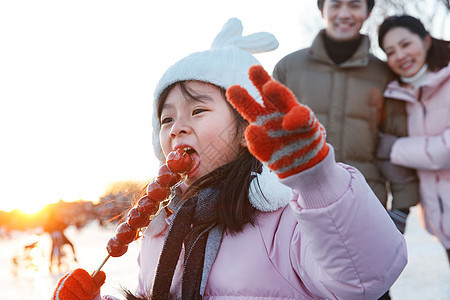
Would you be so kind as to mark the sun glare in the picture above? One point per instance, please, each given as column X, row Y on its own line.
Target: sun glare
column 30, row 209
column 37, row 197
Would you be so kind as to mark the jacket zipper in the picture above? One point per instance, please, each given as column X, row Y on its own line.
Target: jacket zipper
column 424, row 109
column 441, row 209
column 441, row 205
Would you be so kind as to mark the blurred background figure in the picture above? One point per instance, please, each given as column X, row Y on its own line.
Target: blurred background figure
column 29, row 256
column 421, row 64
column 55, row 225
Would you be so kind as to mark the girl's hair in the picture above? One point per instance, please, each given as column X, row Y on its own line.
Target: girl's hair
column 438, row 56
column 233, row 178
column 130, row 296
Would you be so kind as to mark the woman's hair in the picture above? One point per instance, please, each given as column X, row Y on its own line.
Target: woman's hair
column 438, row 56
column 370, row 4
column 233, row 178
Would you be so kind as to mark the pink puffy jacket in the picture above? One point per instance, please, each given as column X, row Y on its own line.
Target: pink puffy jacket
column 427, row 148
column 334, row 241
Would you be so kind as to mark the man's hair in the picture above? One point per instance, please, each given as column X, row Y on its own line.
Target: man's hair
column 370, row 4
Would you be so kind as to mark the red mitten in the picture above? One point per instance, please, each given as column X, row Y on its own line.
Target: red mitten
column 79, row 285
column 283, row 134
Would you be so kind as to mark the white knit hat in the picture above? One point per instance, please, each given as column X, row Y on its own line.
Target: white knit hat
column 225, row 64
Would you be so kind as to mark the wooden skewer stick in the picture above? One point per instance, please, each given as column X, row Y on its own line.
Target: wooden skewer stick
column 98, row 270
column 163, row 204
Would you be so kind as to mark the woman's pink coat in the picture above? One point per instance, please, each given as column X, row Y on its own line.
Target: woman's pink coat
column 427, row 148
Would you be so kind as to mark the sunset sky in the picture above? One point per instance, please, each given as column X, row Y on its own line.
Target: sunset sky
column 77, row 79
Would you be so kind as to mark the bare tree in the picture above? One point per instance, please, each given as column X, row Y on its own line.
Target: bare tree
column 125, row 187
column 446, row 3
column 117, row 200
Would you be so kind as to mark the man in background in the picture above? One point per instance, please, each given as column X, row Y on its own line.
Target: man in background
column 343, row 83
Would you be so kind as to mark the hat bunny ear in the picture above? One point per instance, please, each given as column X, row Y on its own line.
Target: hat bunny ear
column 255, row 43
column 231, row 35
column 232, row 28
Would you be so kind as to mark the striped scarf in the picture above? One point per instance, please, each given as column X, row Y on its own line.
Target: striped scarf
column 194, row 223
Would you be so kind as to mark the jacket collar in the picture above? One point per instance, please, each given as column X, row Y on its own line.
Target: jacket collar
column 359, row 59
column 434, row 79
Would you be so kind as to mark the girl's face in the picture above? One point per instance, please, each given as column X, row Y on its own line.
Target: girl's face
column 406, row 51
column 205, row 124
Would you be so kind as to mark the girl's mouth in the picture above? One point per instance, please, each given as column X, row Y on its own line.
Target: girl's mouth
column 195, row 159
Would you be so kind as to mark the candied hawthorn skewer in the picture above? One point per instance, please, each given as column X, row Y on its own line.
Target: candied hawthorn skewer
column 178, row 163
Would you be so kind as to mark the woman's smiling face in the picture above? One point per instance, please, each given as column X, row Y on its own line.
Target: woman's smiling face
column 202, row 121
column 406, row 51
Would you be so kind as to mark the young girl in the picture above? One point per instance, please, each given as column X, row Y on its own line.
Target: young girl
column 234, row 232
column 422, row 65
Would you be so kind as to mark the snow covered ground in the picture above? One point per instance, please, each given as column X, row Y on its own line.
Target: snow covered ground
column 427, row 275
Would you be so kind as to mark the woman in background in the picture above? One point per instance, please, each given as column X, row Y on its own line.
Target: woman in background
column 421, row 64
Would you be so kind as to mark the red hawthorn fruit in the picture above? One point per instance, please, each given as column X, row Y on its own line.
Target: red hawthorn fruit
column 116, row 248
column 166, row 177
column 147, row 206
column 137, row 220
column 125, row 234
column 157, row 192
column 179, row 161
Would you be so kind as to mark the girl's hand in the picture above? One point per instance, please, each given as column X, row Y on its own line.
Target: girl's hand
column 79, row 285
column 283, row 134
